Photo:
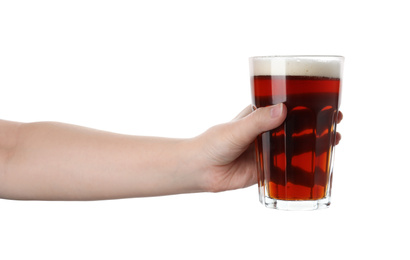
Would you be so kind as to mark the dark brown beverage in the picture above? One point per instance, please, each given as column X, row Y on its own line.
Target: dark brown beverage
column 295, row 160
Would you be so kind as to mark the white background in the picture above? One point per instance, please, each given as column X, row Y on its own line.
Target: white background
column 176, row 68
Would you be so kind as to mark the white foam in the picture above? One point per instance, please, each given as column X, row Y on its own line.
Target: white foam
column 318, row 66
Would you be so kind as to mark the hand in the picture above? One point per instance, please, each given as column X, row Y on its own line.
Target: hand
column 228, row 159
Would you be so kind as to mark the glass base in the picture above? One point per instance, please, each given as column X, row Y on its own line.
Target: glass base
column 297, row 204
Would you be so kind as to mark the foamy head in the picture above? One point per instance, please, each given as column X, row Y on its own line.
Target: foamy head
column 315, row 66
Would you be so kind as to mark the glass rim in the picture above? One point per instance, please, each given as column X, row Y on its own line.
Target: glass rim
column 299, row 56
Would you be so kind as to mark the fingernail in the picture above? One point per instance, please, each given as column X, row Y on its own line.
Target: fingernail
column 276, row 110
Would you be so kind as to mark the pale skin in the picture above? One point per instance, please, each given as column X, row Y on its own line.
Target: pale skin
column 56, row 161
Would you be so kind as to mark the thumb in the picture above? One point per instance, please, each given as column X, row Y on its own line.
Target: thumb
column 245, row 130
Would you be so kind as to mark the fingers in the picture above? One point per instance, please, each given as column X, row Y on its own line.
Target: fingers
column 248, row 124
column 245, row 130
column 339, row 117
column 338, row 138
column 338, row 120
column 246, row 111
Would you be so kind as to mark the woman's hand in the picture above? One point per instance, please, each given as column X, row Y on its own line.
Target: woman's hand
column 227, row 153
column 227, row 150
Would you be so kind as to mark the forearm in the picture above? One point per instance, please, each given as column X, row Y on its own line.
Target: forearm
column 54, row 161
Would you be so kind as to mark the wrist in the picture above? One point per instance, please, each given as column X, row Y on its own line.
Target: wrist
column 191, row 165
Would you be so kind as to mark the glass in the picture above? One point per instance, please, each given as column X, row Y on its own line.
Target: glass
column 295, row 160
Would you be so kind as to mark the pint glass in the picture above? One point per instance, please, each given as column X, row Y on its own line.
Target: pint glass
column 295, row 160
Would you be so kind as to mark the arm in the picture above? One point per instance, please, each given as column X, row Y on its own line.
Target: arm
column 59, row 161
column 55, row 161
